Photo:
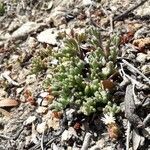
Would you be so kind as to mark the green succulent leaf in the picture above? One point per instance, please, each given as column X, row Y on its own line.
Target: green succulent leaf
column 77, row 76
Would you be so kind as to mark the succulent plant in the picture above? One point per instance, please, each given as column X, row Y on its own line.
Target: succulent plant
column 111, row 108
column 76, row 78
column 110, row 121
column 38, row 65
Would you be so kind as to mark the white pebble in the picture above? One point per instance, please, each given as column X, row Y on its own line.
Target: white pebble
column 41, row 127
column 41, row 110
column 30, row 120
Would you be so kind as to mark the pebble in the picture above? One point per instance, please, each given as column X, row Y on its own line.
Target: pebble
column 146, row 69
column 45, row 103
column 57, row 16
column 101, row 143
column 48, row 36
column 87, row 2
column 148, row 55
column 44, row 94
column 53, row 123
column 30, row 119
column 69, row 115
column 141, row 57
column 39, row 100
column 32, row 43
column 54, row 62
column 143, row 10
column 22, row 75
column 3, row 93
column 31, row 79
column 25, row 29
column 19, row 90
column 67, row 134
column 140, row 32
column 41, row 127
column 14, row 58
column 14, row 25
column 41, row 110
column 54, row 146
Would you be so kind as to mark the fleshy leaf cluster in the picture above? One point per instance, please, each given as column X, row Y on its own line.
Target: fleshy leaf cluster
column 82, row 64
column 111, row 108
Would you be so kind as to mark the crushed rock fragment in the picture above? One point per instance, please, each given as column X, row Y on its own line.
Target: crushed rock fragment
column 41, row 127
column 30, row 120
column 41, row 110
column 48, row 36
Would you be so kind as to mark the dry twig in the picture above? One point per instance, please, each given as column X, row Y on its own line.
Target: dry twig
column 146, row 120
column 136, row 70
column 86, row 141
column 126, row 76
column 8, row 78
column 124, row 14
column 130, row 108
column 128, row 135
column 42, row 140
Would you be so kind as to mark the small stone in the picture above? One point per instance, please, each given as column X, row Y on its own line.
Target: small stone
column 27, row 140
column 30, row 119
column 32, row 43
column 148, row 55
column 14, row 58
column 146, row 69
column 67, row 134
column 31, row 79
column 87, row 2
column 62, row 26
column 44, row 94
column 41, row 127
column 19, row 90
column 45, row 103
column 48, row 36
column 22, row 98
column 140, row 33
column 22, row 74
column 3, row 93
column 41, row 110
column 5, row 36
column 141, row 57
column 54, row 62
column 14, row 25
column 143, row 10
column 69, row 114
column 39, row 100
column 47, row 5
column 25, row 29
column 57, row 16
column 54, row 146
column 113, row 8
column 101, row 143
column 53, row 123
column 34, row 135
